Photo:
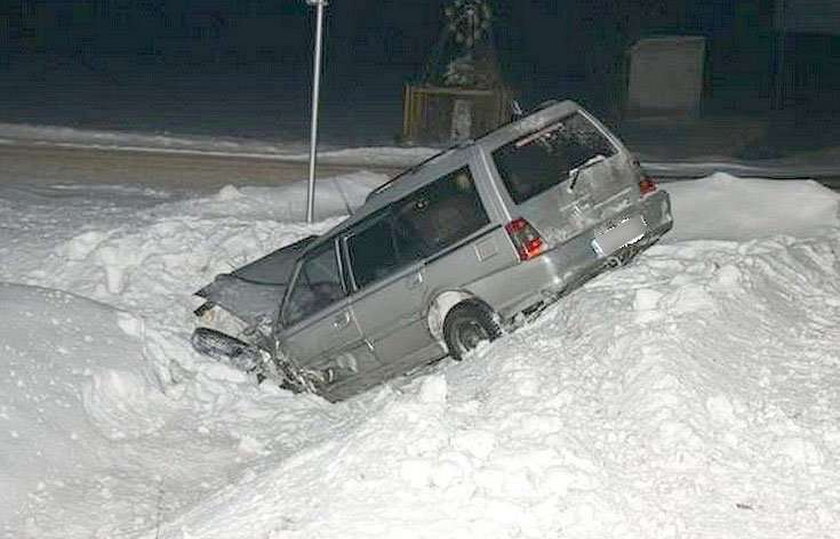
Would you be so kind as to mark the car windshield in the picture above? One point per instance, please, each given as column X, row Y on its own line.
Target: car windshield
column 541, row 160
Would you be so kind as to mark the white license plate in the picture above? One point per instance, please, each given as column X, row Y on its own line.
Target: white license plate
column 624, row 233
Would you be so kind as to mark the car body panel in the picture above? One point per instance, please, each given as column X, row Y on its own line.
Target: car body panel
column 392, row 317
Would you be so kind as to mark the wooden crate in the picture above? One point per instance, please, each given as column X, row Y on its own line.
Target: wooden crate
column 439, row 114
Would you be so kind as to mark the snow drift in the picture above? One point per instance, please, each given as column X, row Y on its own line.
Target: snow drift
column 690, row 394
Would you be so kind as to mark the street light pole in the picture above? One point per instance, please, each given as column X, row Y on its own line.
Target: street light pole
column 779, row 75
column 316, row 90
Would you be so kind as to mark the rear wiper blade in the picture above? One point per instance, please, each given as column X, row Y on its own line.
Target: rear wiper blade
column 576, row 172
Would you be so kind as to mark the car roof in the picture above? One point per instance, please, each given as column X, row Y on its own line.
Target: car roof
column 444, row 162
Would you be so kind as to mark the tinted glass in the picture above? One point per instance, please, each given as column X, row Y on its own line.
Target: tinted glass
column 544, row 159
column 318, row 286
column 372, row 252
column 416, row 227
column 439, row 215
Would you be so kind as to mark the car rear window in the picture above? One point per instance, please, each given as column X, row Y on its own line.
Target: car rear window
column 538, row 161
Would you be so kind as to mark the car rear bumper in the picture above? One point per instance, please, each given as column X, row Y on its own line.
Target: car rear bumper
column 534, row 283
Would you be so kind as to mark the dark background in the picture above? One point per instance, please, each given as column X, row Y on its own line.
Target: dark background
column 242, row 67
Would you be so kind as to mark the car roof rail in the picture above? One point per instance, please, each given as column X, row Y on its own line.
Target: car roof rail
column 414, row 168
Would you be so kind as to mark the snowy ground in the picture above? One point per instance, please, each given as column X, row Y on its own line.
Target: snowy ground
column 691, row 394
column 69, row 137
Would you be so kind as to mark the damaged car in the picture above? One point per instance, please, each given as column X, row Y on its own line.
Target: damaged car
column 449, row 254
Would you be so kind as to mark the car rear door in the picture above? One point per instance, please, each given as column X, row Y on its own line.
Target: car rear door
column 389, row 303
column 420, row 245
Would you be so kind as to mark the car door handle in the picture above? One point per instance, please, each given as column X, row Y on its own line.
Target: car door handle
column 341, row 320
column 414, row 280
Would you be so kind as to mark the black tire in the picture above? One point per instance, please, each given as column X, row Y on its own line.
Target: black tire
column 466, row 326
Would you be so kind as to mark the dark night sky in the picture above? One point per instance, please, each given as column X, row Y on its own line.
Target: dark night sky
column 397, row 31
column 250, row 51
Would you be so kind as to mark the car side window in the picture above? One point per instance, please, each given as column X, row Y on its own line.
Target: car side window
column 318, row 285
column 439, row 215
column 416, row 227
column 373, row 253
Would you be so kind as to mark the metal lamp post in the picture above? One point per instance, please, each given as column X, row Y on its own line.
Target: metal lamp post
column 316, row 90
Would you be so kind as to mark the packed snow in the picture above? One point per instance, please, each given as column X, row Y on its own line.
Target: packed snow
column 692, row 393
column 127, row 141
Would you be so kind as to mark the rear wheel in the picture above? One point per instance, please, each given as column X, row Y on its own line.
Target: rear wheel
column 466, row 326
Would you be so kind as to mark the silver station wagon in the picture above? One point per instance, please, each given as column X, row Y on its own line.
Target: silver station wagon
column 451, row 253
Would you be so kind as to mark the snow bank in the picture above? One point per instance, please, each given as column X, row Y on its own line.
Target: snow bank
column 61, row 353
column 729, row 208
column 692, row 393
column 135, row 420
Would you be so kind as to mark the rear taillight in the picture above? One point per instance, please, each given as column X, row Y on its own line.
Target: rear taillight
column 525, row 238
column 647, row 186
